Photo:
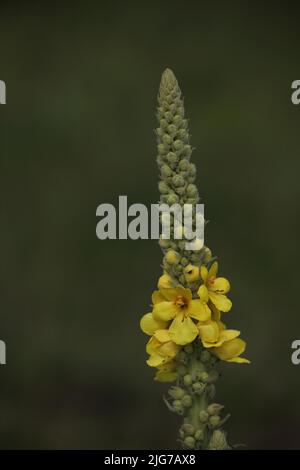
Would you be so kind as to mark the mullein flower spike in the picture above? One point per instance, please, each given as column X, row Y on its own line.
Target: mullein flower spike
column 187, row 333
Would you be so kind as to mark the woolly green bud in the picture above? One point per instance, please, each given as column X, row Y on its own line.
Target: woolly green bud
column 176, row 392
column 172, row 199
column 161, row 149
column 172, row 157
column 189, row 442
column 177, row 407
column 187, row 401
column 214, row 408
column 183, row 165
column 172, row 129
column 199, row 387
column 192, row 168
column 178, row 181
column 167, row 139
column 203, row 376
column 172, row 257
column 188, row 429
column 199, row 435
column 178, row 145
column 214, row 420
column 177, row 120
column 187, row 380
column 163, row 187
column 205, row 356
column 203, row 416
column 218, row 441
column 166, row 171
column 184, row 261
column 191, row 190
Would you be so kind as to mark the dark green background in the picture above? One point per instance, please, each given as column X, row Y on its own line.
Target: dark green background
column 77, row 131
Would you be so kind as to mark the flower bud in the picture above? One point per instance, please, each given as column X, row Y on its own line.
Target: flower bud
column 188, row 429
column 167, row 139
column 163, row 123
column 207, row 255
column 218, row 441
column 214, row 420
column 166, row 171
column 184, row 261
column 181, row 369
column 172, row 129
column 176, row 392
column 177, row 407
column 165, row 281
column 183, row 165
column 178, row 181
column 187, row 151
column 203, row 416
column 162, row 150
column 191, row 190
column 203, row 376
column 189, row 442
column 187, row 380
column 169, row 116
column 181, row 356
column 178, row 145
column 163, row 187
column 214, row 409
column 172, row 257
column 198, row 387
column 205, row 356
column 187, row 401
column 189, row 348
column 192, row 169
column 191, row 273
column 199, row 435
column 172, row 199
column 177, row 120
column 172, row 157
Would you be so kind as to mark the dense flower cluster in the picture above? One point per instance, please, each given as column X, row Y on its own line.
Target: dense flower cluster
column 186, row 327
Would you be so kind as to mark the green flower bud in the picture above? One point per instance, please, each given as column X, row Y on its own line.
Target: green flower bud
column 184, row 261
column 199, row 387
column 199, row 435
column 191, row 190
column 177, row 120
column 176, row 392
column 178, row 181
column 182, row 135
column 203, row 376
column 172, row 257
column 177, row 407
column 182, row 357
column 173, row 106
column 203, row 416
column 187, row 401
column 189, row 348
column 205, row 356
column 214, row 420
column 178, row 145
column 192, row 169
column 172, row 129
column 187, row 380
column 189, row 442
column 161, row 149
column 169, row 116
column 172, row 199
column 188, row 429
column 172, row 157
column 218, row 441
column 163, row 123
column 163, row 187
column 180, row 190
column 166, row 171
column 211, row 391
column 183, row 165
column 167, row 139
column 207, row 255
column 187, row 152
column 214, row 409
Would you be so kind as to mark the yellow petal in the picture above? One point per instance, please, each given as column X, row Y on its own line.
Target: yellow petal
column 230, row 349
column 209, row 333
column 239, row 360
column 165, row 281
column 213, row 270
column 198, row 310
column 203, row 272
column 155, row 360
column 168, row 350
column 203, row 293
column 183, row 330
column 165, row 376
column 149, row 324
column 152, row 346
column 215, row 313
column 157, row 297
column 227, row 335
column 162, row 335
column 220, row 301
column 164, row 311
column 220, row 285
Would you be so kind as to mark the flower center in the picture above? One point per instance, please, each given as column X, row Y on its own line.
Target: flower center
column 180, row 302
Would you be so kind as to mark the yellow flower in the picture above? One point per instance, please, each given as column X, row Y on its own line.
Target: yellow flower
column 231, row 350
column 215, row 288
column 166, row 372
column 161, row 348
column 180, row 308
column 191, row 273
column 165, row 281
column 214, row 333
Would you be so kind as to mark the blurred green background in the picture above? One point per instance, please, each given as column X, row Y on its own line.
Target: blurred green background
column 82, row 80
